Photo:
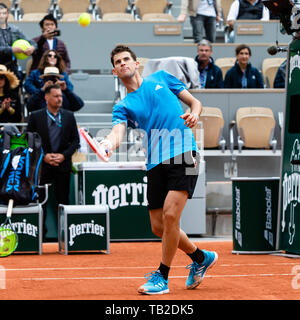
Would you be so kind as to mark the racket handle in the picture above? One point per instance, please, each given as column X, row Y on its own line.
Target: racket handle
column 9, row 208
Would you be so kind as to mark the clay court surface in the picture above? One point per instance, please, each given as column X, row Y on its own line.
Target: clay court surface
column 118, row 275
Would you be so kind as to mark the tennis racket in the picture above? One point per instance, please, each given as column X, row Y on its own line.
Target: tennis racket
column 8, row 236
column 94, row 145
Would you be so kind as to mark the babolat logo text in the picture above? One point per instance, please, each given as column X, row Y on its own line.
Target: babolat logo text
column 15, row 174
column 76, row 230
column 122, row 195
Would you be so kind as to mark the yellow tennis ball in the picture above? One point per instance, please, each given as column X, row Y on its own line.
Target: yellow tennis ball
column 23, row 44
column 84, row 19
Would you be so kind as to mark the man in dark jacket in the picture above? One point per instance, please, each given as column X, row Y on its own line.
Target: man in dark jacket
column 48, row 41
column 58, row 130
column 210, row 74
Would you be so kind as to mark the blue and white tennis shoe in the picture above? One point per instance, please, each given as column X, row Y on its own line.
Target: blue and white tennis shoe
column 156, row 284
column 197, row 271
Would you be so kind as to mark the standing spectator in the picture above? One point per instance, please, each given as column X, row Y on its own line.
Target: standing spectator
column 48, row 41
column 10, row 106
column 203, row 16
column 50, row 58
column 279, row 81
column 8, row 35
column 210, row 74
column 58, row 130
column 51, row 76
column 242, row 74
column 245, row 9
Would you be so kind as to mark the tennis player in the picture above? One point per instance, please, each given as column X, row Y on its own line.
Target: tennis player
column 152, row 105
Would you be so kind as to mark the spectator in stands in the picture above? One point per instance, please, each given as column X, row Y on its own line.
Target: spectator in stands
column 242, row 74
column 50, row 58
column 52, row 76
column 10, row 105
column 245, row 9
column 58, row 130
column 8, row 35
column 210, row 74
column 203, row 16
column 48, row 41
column 279, row 81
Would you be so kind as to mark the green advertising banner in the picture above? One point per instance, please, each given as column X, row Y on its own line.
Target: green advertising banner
column 125, row 192
column 254, row 214
column 289, row 217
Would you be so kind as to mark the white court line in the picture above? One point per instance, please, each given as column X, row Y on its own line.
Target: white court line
column 140, row 267
column 171, row 277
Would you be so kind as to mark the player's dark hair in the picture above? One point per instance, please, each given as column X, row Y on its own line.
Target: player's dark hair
column 119, row 49
column 50, row 87
column 3, row 6
column 48, row 17
column 241, row 47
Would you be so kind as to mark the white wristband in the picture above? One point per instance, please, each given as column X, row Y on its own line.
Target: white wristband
column 107, row 142
column 195, row 115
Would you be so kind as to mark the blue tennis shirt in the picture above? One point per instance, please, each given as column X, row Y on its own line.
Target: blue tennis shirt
column 155, row 108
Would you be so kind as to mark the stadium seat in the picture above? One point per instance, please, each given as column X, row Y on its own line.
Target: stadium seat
column 73, row 17
column 163, row 17
column 225, row 64
column 34, row 10
column 76, row 6
column 255, row 127
column 142, row 62
column 8, row 3
column 117, row 16
column 269, row 70
column 113, row 8
column 213, row 124
column 152, row 6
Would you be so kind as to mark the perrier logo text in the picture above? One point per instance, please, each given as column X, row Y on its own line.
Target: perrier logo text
column 76, row 230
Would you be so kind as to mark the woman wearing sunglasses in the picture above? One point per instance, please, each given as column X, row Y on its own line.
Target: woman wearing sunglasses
column 50, row 58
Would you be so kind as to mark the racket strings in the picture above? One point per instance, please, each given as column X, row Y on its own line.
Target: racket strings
column 8, row 241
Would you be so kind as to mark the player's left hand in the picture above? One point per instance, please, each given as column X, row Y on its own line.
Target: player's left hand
column 191, row 119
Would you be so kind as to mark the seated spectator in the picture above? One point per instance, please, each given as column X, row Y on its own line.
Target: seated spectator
column 51, row 76
column 50, row 58
column 279, row 81
column 242, row 74
column 247, row 10
column 10, row 106
column 210, row 74
column 49, row 41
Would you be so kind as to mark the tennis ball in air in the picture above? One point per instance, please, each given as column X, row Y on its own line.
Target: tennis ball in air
column 23, row 44
column 84, row 19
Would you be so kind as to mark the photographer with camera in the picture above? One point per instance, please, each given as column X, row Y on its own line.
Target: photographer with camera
column 52, row 76
column 49, row 41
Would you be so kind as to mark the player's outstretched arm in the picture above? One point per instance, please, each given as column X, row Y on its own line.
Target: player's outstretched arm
column 195, row 105
column 113, row 139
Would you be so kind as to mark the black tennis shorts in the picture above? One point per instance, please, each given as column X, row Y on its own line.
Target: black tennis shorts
column 178, row 173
